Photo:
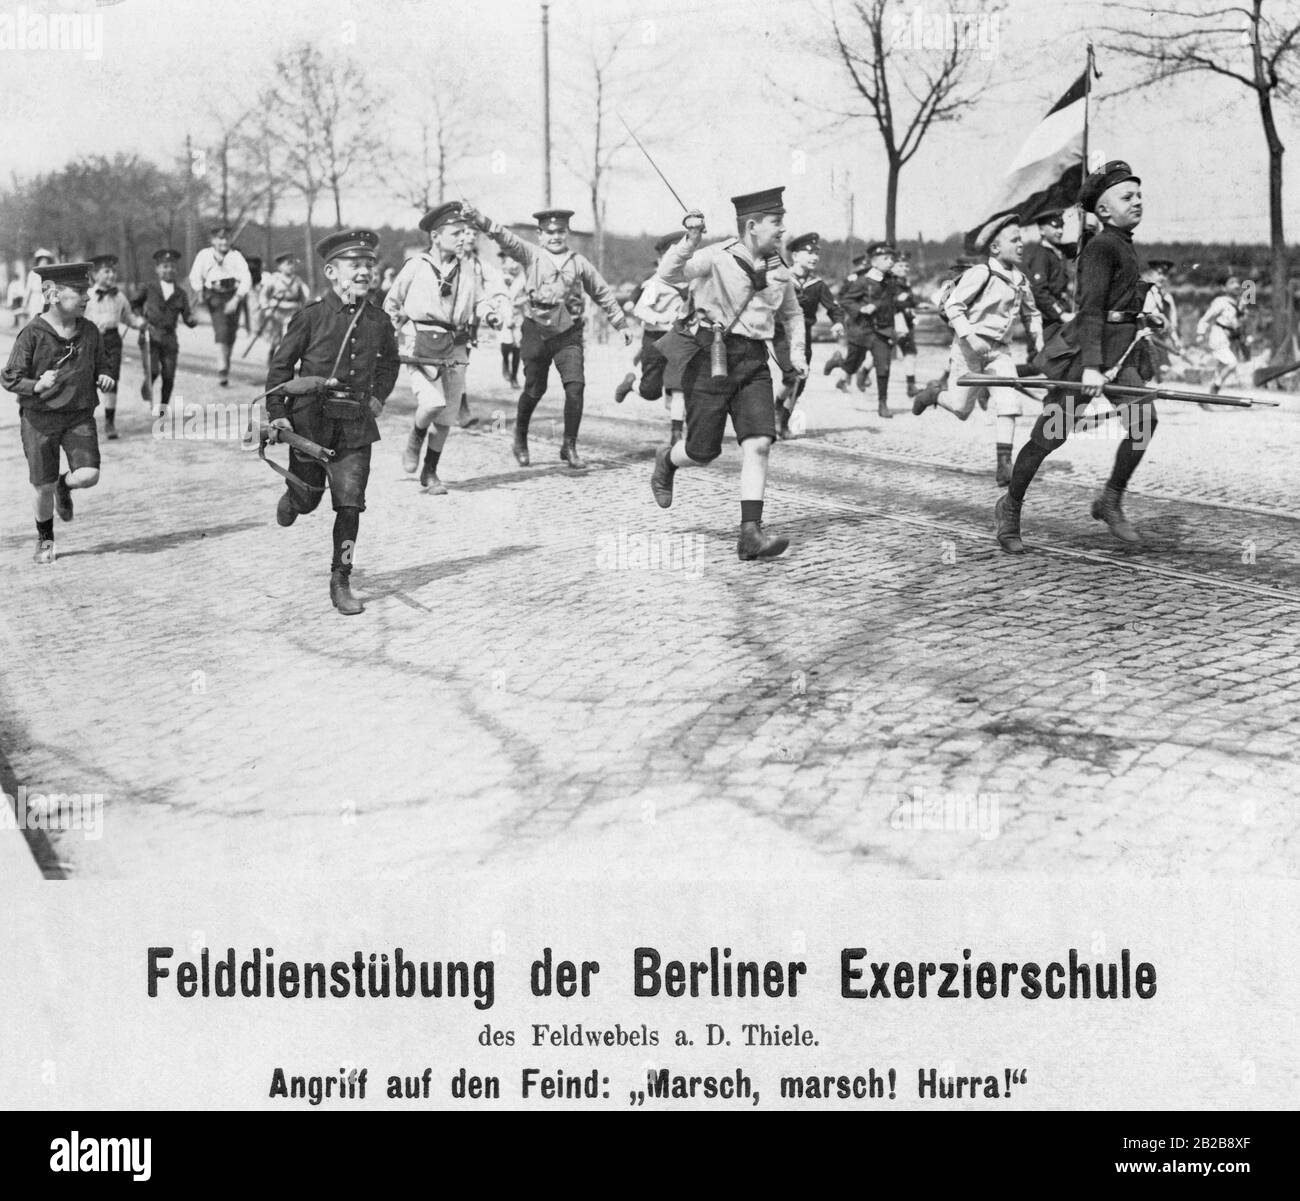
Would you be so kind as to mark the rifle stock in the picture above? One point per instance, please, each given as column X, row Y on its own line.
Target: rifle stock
column 1116, row 391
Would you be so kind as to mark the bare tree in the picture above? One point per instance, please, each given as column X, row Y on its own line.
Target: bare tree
column 908, row 69
column 607, row 82
column 1243, row 44
column 444, row 141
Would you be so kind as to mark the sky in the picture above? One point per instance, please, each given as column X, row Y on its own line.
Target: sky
column 707, row 85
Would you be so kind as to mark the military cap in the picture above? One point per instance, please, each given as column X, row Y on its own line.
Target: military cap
column 859, row 260
column 1160, row 264
column 220, row 231
column 669, row 240
column 37, row 255
column 444, row 214
column 166, row 256
column 553, row 218
column 71, row 275
column 804, row 242
column 881, row 248
column 984, row 236
column 103, row 260
column 759, row 204
column 348, row 243
column 285, row 256
column 1052, row 216
column 1099, row 182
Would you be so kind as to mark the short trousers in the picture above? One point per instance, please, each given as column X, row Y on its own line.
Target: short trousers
column 46, row 433
column 745, row 395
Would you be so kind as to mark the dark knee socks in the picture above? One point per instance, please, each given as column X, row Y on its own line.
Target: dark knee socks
column 1127, row 458
column 524, row 411
column 346, row 523
column 1028, row 461
column 572, row 410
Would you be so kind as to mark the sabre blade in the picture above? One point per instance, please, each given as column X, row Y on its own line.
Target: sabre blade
column 655, row 165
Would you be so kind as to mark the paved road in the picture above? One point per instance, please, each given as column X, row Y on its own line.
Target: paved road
column 553, row 673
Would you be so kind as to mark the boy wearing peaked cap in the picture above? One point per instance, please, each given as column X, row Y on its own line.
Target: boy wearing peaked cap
column 435, row 304
column 1093, row 349
column 109, row 310
column 281, row 296
column 57, row 362
column 555, row 281
column 813, row 293
column 870, row 303
column 982, row 309
column 1045, row 266
column 739, row 287
column 161, row 304
column 347, row 341
column 659, row 306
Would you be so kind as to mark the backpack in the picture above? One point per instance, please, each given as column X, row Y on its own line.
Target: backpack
column 940, row 297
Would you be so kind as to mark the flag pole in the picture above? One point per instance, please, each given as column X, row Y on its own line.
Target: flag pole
column 1083, row 229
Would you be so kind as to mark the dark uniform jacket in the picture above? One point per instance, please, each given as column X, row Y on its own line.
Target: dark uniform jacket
column 870, row 288
column 367, row 366
column 1044, row 267
column 78, row 360
column 1110, row 288
column 812, row 294
column 162, row 314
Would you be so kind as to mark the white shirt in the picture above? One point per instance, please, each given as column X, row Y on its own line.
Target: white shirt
column 208, row 267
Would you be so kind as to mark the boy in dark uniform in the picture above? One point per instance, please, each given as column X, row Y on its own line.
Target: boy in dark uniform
column 869, row 304
column 1094, row 349
column 109, row 310
column 349, row 341
column 813, row 293
column 1044, row 265
column 161, row 305
column 57, row 362
column 555, row 279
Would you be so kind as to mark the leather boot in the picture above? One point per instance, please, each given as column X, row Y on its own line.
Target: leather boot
column 341, row 593
column 661, row 478
column 911, row 386
column 521, row 448
column 836, row 360
column 569, row 453
column 411, row 451
column 754, row 544
column 285, row 513
column 861, row 379
column 1004, row 468
column 624, row 387
column 1107, row 508
column 882, row 409
column 1007, row 515
column 926, row 398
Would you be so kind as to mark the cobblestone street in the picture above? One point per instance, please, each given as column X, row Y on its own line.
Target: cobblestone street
column 554, row 674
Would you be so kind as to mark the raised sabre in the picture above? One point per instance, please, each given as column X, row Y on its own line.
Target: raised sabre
column 655, row 165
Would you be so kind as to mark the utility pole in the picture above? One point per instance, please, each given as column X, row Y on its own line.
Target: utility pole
column 546, row 94
column 190, row 247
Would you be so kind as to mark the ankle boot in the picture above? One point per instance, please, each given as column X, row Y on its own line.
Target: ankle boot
column 882, row 408
column 341, row 593
column 754, row 544
column 924, row 399
column 569, row 453
column 521, row 447
column 1007, row 515
column 1107, row 508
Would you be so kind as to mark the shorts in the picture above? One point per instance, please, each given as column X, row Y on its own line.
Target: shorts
column 346, row 474
column 1221, row 347
column 224, row 325
column 1007, row 402
column 539, row 352
column 43, row 435
column 745, row 395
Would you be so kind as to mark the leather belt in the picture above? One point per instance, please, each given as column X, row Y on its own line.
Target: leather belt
column 1121, row 317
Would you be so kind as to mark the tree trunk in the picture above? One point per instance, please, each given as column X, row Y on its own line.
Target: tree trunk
column 310, row 261
column 338, row 203
column 891, row 198
column 1280, row 334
